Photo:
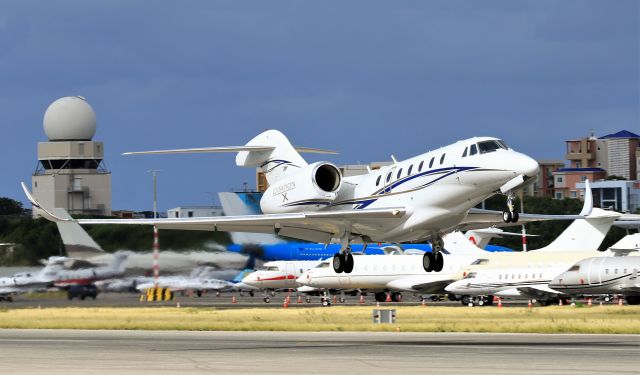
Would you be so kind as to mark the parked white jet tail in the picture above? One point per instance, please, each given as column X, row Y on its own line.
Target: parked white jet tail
column 584, row 234
column 457, row 243
column 118, row 261
column 77, row 242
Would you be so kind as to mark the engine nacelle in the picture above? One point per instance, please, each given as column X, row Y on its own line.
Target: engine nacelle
column 312, row 188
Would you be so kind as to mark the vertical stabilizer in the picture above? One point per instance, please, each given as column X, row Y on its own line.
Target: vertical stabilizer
column 584, row 234
column 77, row 242
column 457, row 243
column 276, row 163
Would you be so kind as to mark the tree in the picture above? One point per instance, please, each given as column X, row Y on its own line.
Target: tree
column 10, row 207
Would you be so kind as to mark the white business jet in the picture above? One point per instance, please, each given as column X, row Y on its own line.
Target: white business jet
column 527, row 275
column 423, row 197
column 615, row 274
column 397, row 273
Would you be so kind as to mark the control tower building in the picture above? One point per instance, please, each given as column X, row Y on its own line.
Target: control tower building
column 71, row 173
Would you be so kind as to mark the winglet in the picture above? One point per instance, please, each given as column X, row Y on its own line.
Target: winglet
column 43, row 211
column 588, row 200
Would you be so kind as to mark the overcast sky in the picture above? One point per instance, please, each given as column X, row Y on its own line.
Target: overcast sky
column 366, row 78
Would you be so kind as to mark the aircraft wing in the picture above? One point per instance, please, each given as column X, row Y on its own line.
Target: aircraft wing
column 310, row 226
column 538, row 291
column 430, row 284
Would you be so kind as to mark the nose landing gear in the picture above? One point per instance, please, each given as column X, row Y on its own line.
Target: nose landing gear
column 510, row 215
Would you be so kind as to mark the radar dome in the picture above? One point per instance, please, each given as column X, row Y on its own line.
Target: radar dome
column 70, row 119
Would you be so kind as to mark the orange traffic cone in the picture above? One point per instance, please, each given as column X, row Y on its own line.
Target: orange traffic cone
column 530, row 304
column 288, row 300
column 377, row 304
column 361, row 299
column 560, row 302
column 589, row 302
column 299, row 298
column 335, row 300
column 234, row 300
column 499, row 302
column 388, row 297
column 285, row 304
column 424, row 302
column 619, row 301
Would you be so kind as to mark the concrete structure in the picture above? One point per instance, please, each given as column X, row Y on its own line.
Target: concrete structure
column 194, row 211
column 616, row 153
column 617, row 195
column 567, row 178
column 544, row 184
column 70, row 172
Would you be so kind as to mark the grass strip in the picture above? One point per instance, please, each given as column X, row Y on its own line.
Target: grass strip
column 614, row 319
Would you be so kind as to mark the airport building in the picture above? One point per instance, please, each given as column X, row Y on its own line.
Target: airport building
column 71, row 173
column 194, row 211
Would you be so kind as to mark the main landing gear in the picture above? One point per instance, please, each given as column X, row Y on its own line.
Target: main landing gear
column 510, row 215
column 434, row 261
column 343, row 262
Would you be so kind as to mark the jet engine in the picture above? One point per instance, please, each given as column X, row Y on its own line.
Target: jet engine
column 313, row 187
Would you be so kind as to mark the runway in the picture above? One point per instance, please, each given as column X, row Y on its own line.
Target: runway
column 54, row 352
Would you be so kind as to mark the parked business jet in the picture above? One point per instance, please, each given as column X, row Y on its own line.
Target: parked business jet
column 397, row 273
column 198, row 282
column 605, row 275
column 422, row 197
column 279, row 275
column 527, row 275
column 26, row 281
column 85, row 276
column 84, row 252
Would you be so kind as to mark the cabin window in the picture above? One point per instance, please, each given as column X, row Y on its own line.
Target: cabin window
column 388, row 177
column 378, row 180
column 615, row 271
column 399, row 173
column 625, row 271
column 500, row 277
column 442, row 159
column 431, row 162
column 409, row 171
column 464, row 154
column 420, row 166
column 606, row 272
column 473, row 150
column 526, row 276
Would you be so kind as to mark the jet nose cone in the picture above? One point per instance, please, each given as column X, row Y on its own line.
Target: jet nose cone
column 529, row 167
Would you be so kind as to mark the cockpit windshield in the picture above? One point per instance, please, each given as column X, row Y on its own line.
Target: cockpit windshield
column 574, row 268
column 490, row 146
column 323, row 265
column 272, row 268
column 471, row 275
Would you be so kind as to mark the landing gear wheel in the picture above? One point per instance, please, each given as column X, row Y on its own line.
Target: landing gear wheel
column 307, row 300
column 267, row 299
column 381, row 296
column 515, row 217
column 396, row 297
column 506, row 216
column 348, row 266
column 465, row 300
column 251, row 293
column 326, row 302
column 428, row 261
column 338, row 263
column 439, row 262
